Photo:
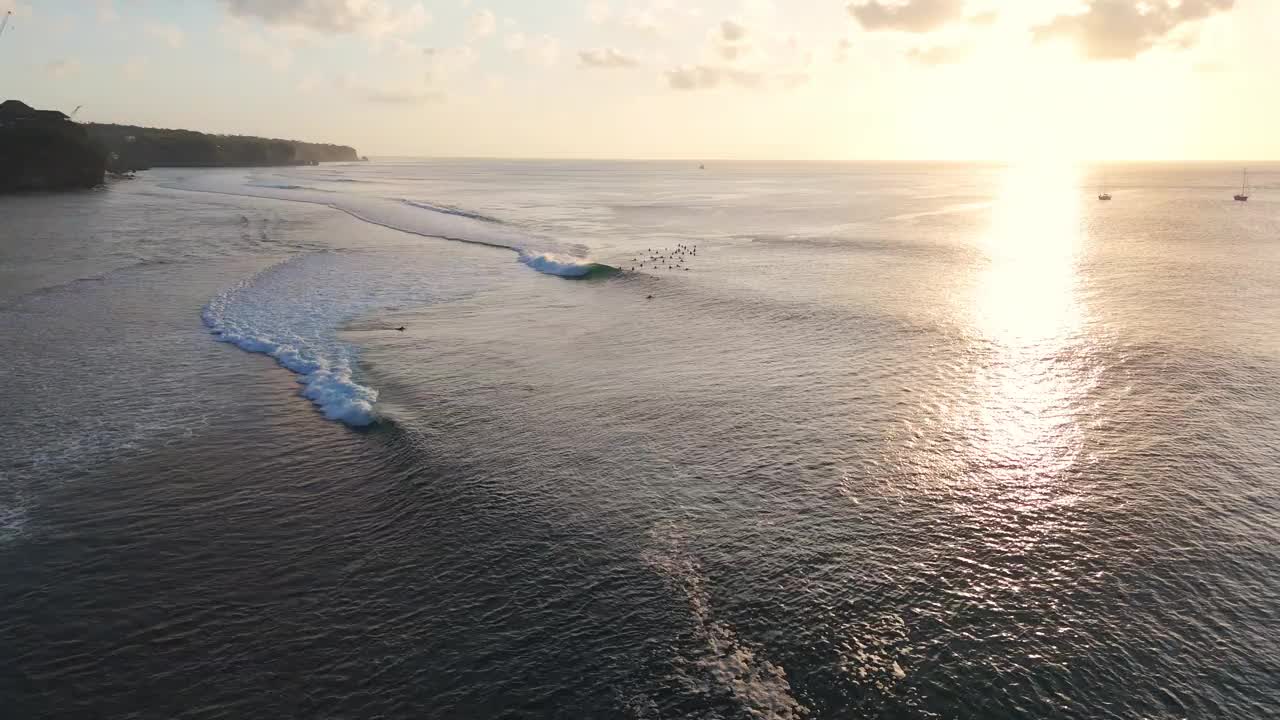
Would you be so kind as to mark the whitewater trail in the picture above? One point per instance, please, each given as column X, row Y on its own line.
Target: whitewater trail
column 414, row 217
column 292, row 311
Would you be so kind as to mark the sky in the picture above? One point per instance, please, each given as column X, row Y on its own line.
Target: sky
column 999, row 80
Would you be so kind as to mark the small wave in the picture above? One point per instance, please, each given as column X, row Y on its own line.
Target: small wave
column 450, row 210
column 278, row 186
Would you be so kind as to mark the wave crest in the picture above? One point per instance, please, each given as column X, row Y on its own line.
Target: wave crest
column 563, row 265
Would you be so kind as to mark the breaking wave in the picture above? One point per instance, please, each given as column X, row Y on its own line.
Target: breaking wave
column 292, row 312
column 563, row 265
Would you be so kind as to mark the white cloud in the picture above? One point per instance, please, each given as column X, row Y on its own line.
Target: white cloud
column 643, row 20
column 257, row 48
column 729, row 40
column 481, row 25
column 386, row 94
column 167, row 33
column 309, row 82
column 841, row 54
column 445, row 63
column 107, row 12
column 62, row 67
column 404, row 49
column 542, row 50
column 1123, row 29
column 706, row 77
column 134, row 67
column 598, row 12
column 606, row 58
column 911, row 16
column 938, row 54
column 732, row 31
column 373, row 18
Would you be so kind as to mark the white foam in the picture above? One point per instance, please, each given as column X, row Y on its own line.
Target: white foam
column 292, row 312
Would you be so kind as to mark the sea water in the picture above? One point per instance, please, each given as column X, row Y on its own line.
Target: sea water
column 760, row 440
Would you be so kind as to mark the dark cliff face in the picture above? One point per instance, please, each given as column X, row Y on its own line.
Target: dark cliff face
column 136, row 148
column 42, row 150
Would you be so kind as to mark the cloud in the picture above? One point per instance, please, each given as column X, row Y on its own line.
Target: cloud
column 167, row 33
column 255, row 47
column 793, row 80
column 598, row 12
column 732, row 31
column 1123, row 29
column 938, row 55
column 62, row 67
column 481, row 25
column 916, row 16
column 705, row 77
column 606, row 58
column 444, row 63
column 134, row 67
column 391, row 96
column 642, row 20
column 386, row 94
column 107, row 12
column 374, row 18
column 542, row 50
column 983, row 18
column 730, row 40
column 538, row 49
column 841, row 54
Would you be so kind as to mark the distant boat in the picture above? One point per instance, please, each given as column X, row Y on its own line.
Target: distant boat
column 702, row 167
column 1104, row 195
column 1243, row 195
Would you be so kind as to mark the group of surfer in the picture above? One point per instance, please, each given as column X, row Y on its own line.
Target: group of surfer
column 662, row 258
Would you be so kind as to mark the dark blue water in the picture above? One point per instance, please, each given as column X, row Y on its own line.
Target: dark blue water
column 895, row 441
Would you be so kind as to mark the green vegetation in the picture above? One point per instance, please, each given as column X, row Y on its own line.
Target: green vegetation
column 42, row 150
column 137, row 148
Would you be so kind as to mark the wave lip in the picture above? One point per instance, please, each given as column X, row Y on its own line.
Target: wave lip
column 327, row 383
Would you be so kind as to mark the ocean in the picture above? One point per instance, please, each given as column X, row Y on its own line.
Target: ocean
column 764, row 440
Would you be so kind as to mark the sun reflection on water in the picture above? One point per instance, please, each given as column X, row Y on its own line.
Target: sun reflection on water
column 1028, row 315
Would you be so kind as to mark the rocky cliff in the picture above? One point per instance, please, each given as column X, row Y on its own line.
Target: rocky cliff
column 43, row 150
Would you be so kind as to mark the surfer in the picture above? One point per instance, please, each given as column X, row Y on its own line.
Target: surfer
column 400, row 329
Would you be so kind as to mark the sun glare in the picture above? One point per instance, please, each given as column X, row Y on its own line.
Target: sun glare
column 1027, row 312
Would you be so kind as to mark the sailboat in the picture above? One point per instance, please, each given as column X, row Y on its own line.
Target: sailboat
column 1104, row 195
column 1243, row 195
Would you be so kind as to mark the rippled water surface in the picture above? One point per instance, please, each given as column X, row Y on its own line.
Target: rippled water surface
column 898, row 441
